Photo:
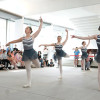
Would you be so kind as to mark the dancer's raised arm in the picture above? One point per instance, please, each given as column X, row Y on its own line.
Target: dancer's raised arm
column 39, row 29
column 14, row 41
column 88, row 43
column 66, row 38
column 85, row 38
column 53, row 44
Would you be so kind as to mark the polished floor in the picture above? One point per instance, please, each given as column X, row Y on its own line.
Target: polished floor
column 75, row 85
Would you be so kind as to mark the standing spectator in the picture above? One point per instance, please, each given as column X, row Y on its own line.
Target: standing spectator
column 45, row 52
column 76, row 56
column 39, row 55
column 91, row 57
column 8, row 49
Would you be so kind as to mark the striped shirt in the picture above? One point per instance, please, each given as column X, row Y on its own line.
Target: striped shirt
column 58, row 47
column 84, row 50
column 28, row 43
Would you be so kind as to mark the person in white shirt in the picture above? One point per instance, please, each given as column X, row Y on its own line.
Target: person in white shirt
column 45, row 52
column 5, row 61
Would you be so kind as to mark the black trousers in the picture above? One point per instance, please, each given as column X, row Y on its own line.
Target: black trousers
column 0, row 61
column 6, row 62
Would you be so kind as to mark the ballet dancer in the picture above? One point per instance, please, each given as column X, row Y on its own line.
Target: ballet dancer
column 59, row 52
column 84, row 53
column 29, row 54
column 97, row 57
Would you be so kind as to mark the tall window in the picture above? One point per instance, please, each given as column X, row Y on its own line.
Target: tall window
column 2, row 32
column 10, row 30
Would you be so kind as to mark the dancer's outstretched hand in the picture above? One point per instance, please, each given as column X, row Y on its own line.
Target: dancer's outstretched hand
column 7, row 44
column 41, row 21
column 66, row 30
column 72, row 36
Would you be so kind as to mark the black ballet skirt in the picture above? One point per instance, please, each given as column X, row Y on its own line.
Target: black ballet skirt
column 60, row 54
column 30, row 54
column 84, row 55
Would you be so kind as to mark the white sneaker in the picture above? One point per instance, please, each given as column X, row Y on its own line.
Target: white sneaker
column 12, row 67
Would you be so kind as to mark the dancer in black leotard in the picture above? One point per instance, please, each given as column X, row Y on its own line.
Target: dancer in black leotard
column 97, row 58
column 29, row 53
column 59, row 52
column 84, row 53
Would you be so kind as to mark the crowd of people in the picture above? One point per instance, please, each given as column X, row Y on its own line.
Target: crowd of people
column 44, row 60
column 11, row 59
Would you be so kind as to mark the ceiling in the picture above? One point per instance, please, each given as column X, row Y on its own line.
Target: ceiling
column 81, row 15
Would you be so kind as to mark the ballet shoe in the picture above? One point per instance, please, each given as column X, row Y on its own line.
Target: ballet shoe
column 27, row 86
column 60, row 77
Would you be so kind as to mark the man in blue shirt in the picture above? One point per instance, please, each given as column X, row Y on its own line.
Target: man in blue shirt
column 76, row 56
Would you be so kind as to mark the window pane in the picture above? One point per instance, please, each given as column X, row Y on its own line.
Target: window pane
column 10, row 30
column 2, row 32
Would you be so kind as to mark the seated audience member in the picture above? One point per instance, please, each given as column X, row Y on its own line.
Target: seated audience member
column 11, row 59
column 5, row 61
column 13, row 55
column 41, row 61
column 44, row 63
column 1, row 64
column 18, row 57
column 39, row 55
column 51, row 63
column 15, row 49
column 47, row 62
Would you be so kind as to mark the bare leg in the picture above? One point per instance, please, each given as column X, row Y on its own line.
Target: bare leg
column 99, row 74
column 28, row 70
column 36, row 62
column 60, row 66
column 75, row 62
column 82, row 64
